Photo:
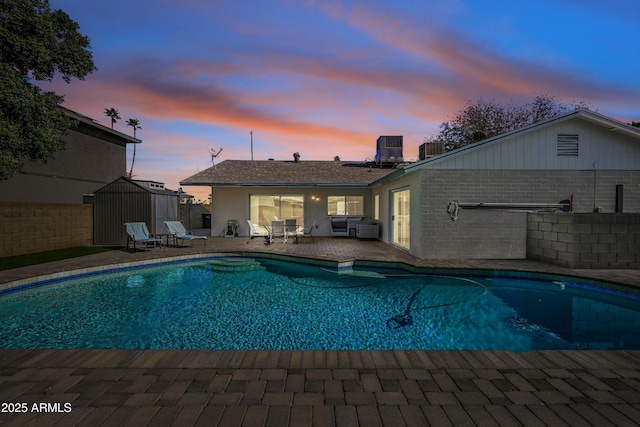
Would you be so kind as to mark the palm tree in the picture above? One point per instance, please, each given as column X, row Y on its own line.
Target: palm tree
column 113, row 113
column 135, row 124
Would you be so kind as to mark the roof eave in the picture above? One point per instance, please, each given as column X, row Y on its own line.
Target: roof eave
column 262, row 184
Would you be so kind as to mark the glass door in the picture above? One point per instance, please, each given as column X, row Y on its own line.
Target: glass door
column 401, row 218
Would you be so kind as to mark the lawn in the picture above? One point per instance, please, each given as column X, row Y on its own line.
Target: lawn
column 41, row 257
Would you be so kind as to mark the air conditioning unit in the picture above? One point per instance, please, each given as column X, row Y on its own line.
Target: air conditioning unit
column 389, row 150
column 430, row 149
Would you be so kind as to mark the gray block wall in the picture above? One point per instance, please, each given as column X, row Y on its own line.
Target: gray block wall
column 503, row 234
column 591, row 240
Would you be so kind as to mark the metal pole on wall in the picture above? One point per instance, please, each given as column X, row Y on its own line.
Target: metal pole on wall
column 251, row 133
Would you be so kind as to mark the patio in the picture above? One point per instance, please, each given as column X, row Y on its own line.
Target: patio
column 325, row 388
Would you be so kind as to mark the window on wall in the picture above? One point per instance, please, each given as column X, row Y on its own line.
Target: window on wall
column 376, row 207
column 264, row 208
column 345, row 205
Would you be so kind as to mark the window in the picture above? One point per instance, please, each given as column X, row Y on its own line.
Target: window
column 567, row 145
column 376, row 207
column 264, row 208
column 345, row 205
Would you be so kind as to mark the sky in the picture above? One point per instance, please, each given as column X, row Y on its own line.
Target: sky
column 326, row 78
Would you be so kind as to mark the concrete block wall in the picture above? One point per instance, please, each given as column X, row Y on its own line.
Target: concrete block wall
column 191, row 215
column 585, row 240
column 502, row 234
column 36, row 227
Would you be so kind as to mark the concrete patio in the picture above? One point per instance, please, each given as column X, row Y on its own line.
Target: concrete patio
column 324, row 388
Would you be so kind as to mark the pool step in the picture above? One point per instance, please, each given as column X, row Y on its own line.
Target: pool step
column 352, row 272
column 234, row 265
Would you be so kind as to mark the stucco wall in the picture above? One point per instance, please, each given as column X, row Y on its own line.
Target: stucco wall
column 385, row 191
column 233, row 203
column 36, row 227
column 85, row 165
column 501, row 234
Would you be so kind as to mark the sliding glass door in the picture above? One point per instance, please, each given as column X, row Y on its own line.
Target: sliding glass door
column 264, row 208
column 401, row 218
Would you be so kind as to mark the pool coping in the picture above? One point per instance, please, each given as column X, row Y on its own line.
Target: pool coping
column 40, row 280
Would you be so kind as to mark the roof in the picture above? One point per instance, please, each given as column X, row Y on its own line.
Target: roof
column 588, row 115
column 332, row 173
column 94, row 128
column 138, row 184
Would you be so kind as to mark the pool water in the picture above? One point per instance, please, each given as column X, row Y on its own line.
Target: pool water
column 244, row 303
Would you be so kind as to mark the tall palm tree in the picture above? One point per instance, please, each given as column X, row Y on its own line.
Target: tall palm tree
column 113, row 113
column 135, row 124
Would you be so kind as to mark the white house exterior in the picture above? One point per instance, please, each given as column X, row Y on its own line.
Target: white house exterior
column 581, row 154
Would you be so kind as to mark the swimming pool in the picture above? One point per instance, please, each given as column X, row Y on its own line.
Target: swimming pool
column 254, row 303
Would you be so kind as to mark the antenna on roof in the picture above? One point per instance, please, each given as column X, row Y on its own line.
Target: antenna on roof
column 251, row 133
column 214, row 154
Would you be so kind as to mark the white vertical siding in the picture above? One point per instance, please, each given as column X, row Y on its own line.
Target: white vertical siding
column 536, row 149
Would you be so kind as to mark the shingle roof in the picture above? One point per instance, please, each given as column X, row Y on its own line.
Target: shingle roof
column 288, row 173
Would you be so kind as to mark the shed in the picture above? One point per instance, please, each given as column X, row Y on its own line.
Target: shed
column 126, row 200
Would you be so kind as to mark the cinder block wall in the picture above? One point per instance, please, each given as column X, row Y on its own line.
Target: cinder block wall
column 502, row 234
column 36, row 227
column 588, row 240
column 191, row 215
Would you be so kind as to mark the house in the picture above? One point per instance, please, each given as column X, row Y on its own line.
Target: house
column 305, row 190
column 581, row 156
column 94, row 156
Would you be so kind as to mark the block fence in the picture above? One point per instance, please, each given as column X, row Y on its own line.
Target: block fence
column 36, row 227
column 585, row 240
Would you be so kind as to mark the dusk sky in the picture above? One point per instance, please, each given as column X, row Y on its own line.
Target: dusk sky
column 326, row 78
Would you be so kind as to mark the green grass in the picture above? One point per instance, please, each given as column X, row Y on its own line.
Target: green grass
column 17, row 261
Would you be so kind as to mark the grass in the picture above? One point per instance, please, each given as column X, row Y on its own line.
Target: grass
column 17, row 261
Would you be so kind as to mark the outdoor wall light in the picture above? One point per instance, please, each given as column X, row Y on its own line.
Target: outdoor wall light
column 316, row 198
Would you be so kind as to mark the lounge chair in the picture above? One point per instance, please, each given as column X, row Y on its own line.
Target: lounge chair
column 137, row 232
column 178, row 232
column 256, row 231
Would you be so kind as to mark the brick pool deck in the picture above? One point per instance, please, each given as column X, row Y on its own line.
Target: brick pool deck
column 324, row 388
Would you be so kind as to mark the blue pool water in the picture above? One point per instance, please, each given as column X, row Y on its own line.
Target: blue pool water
column 244, row 303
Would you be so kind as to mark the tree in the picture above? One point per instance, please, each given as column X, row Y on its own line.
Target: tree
column 135, row 124
column 485, row 119
column 635, row 124
column 114, row 114
column 36, row 43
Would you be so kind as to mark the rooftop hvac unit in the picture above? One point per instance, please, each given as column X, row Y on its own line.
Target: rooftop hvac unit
column 389, row 150
column 430, row 149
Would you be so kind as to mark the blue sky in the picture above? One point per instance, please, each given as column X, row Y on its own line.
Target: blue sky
column 326, row 78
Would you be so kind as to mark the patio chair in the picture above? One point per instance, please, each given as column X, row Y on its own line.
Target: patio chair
column 308, row 232
column 291, row 228
column 178, row 232
column 277, row 231
column 339, row 226
column 137, row 232
column 256, row 231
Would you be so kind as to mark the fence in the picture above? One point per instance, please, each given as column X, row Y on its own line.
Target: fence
column 597, row 240
column 36, row 227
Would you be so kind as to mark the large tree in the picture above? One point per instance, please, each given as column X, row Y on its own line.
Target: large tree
column 485, row 119
column 36, row 43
